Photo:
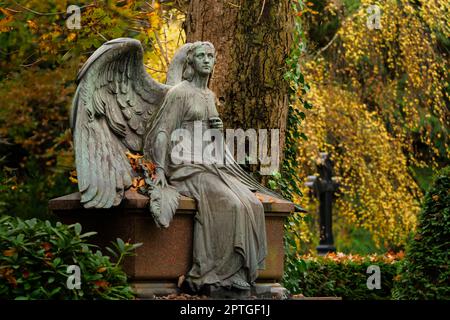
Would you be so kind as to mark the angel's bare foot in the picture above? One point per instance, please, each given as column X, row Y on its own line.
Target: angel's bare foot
column 238, row 281
column 240, row 284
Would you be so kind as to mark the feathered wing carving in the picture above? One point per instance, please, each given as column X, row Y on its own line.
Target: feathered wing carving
column 114, row 100
column 163, row 205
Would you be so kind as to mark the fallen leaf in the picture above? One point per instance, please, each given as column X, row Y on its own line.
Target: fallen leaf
column 9, row 252
column 46, row 245
column 133, row 156
column 101, row 283
column 73, row 180
column 180, row 280
column 101, row 269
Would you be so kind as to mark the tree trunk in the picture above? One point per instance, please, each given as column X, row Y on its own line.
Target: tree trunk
column 252, row 39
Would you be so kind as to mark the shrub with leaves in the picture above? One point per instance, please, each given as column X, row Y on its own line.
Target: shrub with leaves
column 425, row 272
column 35, row 256
column 340, row 275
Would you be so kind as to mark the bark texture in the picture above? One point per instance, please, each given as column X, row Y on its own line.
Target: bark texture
column 253, row 39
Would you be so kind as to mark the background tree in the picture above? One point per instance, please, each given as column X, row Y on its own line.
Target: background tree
column 253, row 40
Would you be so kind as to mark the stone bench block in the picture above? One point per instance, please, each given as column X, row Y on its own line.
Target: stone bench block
column 166, row 253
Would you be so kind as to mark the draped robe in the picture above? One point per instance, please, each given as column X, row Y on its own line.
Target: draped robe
column 229, row 231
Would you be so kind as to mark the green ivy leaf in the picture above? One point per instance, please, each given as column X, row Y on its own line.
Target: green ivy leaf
column 77, row 228
column 120, row 244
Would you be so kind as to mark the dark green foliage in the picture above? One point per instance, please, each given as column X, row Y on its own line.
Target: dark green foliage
column 34, row 256
column 30, row 199
column 35, row 142
column 425, row 272
column 423, row 176
column 320, row 28
column 355, row 240
column 288, row 182
column 344, row 277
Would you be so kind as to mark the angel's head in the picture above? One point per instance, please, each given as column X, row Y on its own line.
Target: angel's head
column 200, row 59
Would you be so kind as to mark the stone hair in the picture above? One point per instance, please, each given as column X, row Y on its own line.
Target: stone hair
column 188, row 69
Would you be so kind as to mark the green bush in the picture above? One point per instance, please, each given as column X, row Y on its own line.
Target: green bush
column 425, row 272
column 340, row 275
column 34, row 260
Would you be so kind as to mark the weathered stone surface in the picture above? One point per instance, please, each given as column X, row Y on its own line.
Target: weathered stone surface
column 169, row 290
column 135, row 200
column 166, row 253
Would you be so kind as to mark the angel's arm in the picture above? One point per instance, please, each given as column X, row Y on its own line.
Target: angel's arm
column 167, row 120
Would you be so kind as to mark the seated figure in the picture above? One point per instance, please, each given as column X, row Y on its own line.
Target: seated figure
column 119, row 108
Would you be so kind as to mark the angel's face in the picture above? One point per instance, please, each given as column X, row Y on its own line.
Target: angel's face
column 203, row 60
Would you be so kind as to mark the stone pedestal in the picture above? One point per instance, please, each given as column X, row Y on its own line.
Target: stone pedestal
column 167, row 253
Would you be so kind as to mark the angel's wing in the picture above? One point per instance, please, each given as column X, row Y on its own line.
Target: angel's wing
column 114, row 100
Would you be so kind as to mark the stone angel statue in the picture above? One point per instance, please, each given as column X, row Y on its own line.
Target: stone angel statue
column 118, row 108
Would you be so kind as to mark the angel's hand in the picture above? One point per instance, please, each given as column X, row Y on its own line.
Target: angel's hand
column 160, row 177
column 215, row 123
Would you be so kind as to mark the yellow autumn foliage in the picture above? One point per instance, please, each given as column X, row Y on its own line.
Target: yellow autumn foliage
column 376, row 189
column 168, row 37
column 401, row 54
column 377, row 93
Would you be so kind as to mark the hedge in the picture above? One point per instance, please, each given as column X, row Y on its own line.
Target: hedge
column 340, row 275
column 425, row 272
